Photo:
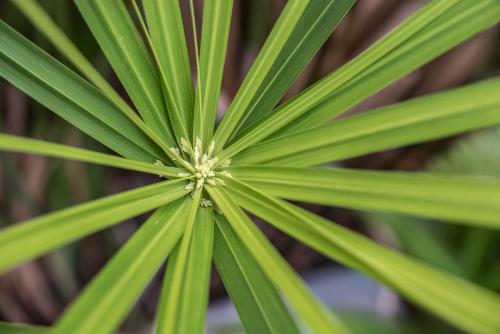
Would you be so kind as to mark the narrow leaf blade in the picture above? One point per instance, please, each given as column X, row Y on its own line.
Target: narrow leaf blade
column 33, row 146
column 443, row 23
column 439, row 115
column 115, row 32
column 462, row 303
column 35, row 237
column 451, row 198
column 78, row 102
column 107, row 299
column 256, row 299
column 214, row 39
column 277, row 269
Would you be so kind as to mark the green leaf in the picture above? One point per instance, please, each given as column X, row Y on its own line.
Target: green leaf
column 214, row 39
column 61, row 90
column 184, row 299
column 10, row 328
column 317, row 23
column 418, row 120
column 461, row 21
column 437, row 27
column 277, row 269
column 422, row 194
column 461, row 303
column 24, row 145
column 105, row 302
column 256, row 76
column 256, row 299
column 418, row 238
column 116, row 34
column 169, row 45
column 35, row 237
column 44, row 23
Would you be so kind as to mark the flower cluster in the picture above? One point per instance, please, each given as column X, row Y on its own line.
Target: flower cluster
column 200, row 166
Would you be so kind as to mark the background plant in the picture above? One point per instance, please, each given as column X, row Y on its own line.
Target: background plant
column 270, row 141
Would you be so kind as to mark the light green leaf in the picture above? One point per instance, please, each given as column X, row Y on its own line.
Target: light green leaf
column 317, row 23
column 105, row 302
column 277, row 269
column 437, row 27
column 10, row 328
column 418, row 120
column 418, row 238
column 462, row 20
column 463, row 304
column 35, row 237
column 422, row 194
column 116, row 34
column 255, row 297
column 61, row 90
column 24, row 145
column 184, row 299
column 214, row 39
column 44, row 23
column 169, row 46
column 256, row 76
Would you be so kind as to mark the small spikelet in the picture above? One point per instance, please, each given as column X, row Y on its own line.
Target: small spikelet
column 159, row 163
column 206, row 203
column 189, row 186
column 226, row 174
column 199, row 183
column 197, row 143
column 175, row 150
column 197, row 156
column 211, row 148
column 185, row 146
column 226, row 163
column 202, row 166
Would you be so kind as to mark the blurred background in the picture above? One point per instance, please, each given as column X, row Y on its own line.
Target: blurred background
column 38, row 291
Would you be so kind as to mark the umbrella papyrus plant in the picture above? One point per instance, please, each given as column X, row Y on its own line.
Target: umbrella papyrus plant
column 259, row 156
